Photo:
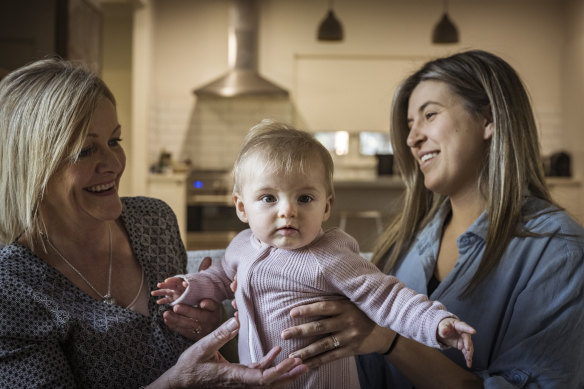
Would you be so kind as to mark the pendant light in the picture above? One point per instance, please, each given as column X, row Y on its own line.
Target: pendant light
column 445, row 31
column 330, row 28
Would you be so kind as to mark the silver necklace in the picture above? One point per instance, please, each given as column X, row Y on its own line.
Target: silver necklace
column 107, row 298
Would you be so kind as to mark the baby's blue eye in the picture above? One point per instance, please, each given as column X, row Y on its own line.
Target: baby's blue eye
column 305, row 199
column 268, row 199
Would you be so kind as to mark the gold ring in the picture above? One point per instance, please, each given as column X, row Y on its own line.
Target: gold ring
column 336, row 343
column 198, row 328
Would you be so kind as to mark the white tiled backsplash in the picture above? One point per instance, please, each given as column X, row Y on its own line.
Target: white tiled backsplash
column 209, row 132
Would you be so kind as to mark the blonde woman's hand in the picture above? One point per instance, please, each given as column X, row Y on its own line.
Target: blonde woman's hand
column 202, row 366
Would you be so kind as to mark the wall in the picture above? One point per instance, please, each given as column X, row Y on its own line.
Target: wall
column 185, row 46
column 117, row 71
column 384, row 41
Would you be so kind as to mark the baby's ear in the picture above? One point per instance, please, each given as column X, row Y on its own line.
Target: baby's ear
column 239, row 207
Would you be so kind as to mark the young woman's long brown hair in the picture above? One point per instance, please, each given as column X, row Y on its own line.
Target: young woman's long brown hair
column 512, row 168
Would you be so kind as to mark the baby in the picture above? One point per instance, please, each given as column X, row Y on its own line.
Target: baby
column 283, row 188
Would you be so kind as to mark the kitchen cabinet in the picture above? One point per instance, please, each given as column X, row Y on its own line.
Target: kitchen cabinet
column 171, row 188
column 33, row 29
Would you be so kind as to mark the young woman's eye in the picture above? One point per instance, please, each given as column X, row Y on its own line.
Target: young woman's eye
column 268, row 199
column 429, row 115
column 305, row 199
column 115, row 142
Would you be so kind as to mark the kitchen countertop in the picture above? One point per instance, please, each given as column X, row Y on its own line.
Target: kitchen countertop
column 391, row 182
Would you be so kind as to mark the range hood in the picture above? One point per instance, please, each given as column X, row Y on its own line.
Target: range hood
column 242, row 79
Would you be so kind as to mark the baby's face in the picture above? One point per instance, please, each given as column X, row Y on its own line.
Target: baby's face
column 285, row 210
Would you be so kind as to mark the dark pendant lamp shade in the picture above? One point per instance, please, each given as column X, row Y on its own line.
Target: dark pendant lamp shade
column 330, row 28
column 445, row 31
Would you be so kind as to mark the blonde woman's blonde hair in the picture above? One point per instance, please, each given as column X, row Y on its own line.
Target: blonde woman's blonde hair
column 280, row 148
column 45, row 111
column 513, row 167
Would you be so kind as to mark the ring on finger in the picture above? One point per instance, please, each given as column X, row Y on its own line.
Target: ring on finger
column 198, row 328
column 336, row 343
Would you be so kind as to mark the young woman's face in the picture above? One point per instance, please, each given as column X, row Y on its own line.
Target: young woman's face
column 88, row 189
column 284, row 210
column 448, row 141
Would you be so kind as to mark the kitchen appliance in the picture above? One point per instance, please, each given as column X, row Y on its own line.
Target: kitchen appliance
column 211, row 218
column 243, row 78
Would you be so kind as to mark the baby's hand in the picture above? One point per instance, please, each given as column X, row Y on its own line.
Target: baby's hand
column 171, row 289
column 455, row 333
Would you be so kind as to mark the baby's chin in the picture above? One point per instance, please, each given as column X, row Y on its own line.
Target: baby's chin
column 287, row 244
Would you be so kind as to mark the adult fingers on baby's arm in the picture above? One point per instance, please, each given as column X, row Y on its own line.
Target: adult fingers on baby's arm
column 461, row 326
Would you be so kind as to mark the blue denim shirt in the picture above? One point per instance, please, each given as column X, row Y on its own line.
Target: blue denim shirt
column 528, row 313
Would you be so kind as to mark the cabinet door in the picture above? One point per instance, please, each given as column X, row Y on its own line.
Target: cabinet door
column 172, row 190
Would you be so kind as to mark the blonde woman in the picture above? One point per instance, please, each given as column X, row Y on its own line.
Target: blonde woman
column 79, row 260
column 479, row 232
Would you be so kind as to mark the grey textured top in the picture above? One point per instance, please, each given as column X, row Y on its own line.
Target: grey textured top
column 52, row 334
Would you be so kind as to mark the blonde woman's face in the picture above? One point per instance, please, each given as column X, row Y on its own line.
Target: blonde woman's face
column 88, row 189
column 284, row 210
column 447, row 141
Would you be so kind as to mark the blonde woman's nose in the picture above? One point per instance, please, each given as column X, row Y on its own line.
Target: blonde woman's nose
column 110, row 160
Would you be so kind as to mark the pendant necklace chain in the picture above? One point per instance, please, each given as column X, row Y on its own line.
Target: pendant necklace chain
column 107, row 298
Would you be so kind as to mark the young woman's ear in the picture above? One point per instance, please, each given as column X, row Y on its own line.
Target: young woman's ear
column 239, row 207
column 488, row 123
column 488, row 132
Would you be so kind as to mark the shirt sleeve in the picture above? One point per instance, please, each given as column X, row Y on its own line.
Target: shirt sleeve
column 213, row 283
column 31, row 354
column 542, row 341
column 383, row 298
column 28, row 363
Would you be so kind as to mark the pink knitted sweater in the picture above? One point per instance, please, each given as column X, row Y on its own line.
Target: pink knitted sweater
column 271, row 281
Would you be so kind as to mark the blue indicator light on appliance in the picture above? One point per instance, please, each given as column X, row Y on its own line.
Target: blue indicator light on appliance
column 198, row 184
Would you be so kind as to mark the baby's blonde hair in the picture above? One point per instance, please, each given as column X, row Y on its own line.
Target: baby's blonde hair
column 283, row 149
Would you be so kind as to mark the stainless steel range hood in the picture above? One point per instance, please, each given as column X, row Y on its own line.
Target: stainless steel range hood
column 242, row 79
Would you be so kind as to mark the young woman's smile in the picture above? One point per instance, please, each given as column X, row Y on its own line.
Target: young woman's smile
column 447, row 140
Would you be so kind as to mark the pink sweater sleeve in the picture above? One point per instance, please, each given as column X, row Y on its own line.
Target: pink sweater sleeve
column 382, row 297
column 212, row 283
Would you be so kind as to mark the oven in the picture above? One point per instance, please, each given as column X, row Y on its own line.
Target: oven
column 211, row 218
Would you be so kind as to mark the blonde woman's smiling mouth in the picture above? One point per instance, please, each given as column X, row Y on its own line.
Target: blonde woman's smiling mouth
column 101, row 188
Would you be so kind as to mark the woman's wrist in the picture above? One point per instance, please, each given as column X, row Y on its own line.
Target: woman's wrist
column 392, row 345
column 380, row 339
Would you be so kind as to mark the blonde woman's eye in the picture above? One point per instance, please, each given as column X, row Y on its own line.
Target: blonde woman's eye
column 115, row 142
column 429, row 115
column 86, row 152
